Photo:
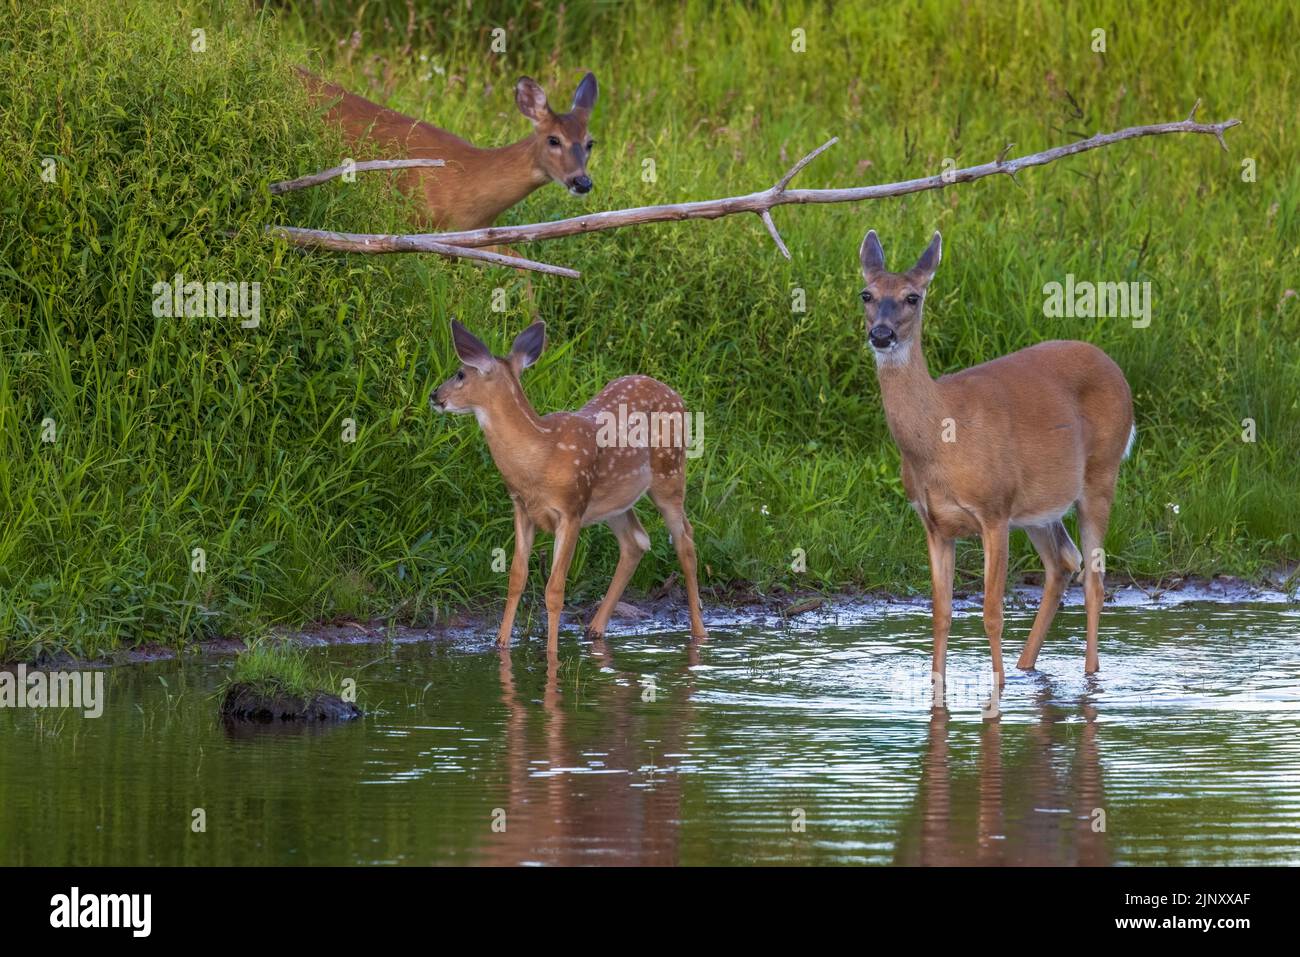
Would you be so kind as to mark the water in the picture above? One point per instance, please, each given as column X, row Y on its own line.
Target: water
column 763, row 745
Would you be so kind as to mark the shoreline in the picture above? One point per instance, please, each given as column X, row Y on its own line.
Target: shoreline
column 664, row 610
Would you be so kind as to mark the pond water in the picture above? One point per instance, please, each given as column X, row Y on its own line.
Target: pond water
column 764, row 745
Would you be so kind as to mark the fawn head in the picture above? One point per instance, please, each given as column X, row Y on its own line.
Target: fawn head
column 561, row 144
column 893, row 300
column 483, row 379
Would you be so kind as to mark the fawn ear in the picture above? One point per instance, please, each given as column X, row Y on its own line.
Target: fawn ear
column 470, row 348
column 584, row 97
column 531, row 99
column 871, row 254
column 926, row 266
column 527, row 347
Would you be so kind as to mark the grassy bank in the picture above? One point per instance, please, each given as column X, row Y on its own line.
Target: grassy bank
column 176, row 434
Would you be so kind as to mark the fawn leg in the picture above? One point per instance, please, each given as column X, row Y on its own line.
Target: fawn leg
column 633, row 542
column 669, row 502
column 995, row 535
column 1094, row 516
column 1060, row 558
column 566, row 539
column 524, row 530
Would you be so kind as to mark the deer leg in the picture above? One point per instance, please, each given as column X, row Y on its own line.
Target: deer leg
column 942, row 558
column 1060, row 559
column 633, row 542
column 995, row 535
column 1094, row 516
column 524, row 530
column 670, row 506
column 566, row 539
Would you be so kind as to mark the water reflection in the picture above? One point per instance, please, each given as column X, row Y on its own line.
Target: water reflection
column 1041, row 804
column 590, row 797
column 807, row 745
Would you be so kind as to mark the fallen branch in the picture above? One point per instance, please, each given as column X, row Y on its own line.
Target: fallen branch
column 760, row 203
column 365, row 166
column 399, row 243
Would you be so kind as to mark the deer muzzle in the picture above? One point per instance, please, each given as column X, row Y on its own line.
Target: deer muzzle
column 882, row 337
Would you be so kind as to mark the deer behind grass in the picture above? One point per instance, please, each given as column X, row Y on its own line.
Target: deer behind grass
column 563, row 472
column 1014, row 442
column 477, row 185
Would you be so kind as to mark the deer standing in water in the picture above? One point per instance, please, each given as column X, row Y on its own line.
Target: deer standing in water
column 567, row 470
column 477, row 185
column 1013, row 442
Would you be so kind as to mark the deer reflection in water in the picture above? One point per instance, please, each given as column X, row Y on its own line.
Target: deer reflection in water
column 589, row 786
column 1032, row 807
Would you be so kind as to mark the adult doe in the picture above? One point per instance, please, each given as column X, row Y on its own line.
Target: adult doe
column 1014, row 442
column 567, row 470
column 477, row 185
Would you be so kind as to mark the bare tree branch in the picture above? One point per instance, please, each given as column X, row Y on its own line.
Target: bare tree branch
column 760, row 203
column 401, row 243
column 365, row 166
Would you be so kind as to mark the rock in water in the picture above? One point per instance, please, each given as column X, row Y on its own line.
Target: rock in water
column 245, row 702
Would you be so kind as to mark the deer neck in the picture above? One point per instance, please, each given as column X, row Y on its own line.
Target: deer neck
column 513, row 174
column 516, row 436
column 913, row 405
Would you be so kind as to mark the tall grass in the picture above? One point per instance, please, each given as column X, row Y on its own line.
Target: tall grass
column 269, row 667
column 179, row 434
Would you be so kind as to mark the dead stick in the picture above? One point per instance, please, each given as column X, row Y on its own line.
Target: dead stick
column 759, row 203
column 365, row 166
column 398, row 243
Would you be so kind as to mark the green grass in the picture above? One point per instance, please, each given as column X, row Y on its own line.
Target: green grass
column 177, row 434
column 280, row 668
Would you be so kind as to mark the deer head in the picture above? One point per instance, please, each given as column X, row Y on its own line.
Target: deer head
column 893, row 301
column 561, row 143
column 484, row 382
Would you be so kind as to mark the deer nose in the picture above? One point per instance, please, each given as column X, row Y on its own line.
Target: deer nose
column 582, row 184
column 882, row 336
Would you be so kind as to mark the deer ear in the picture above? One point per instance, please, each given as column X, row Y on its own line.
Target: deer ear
column 871, row 254
column 470, row 348
column 527, row 347
column 929, row 262
column 531, row 99
column 584, row 97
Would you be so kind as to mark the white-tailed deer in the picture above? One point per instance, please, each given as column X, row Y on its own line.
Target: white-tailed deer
column 567, row 470
column 477, row 185
column 1014, row 442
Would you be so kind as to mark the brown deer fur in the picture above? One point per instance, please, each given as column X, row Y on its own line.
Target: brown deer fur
column 1014, row 442
column 477, row 185
column 562, row 477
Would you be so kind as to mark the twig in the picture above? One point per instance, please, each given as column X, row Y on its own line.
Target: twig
column 399, row 243
column 760, row 203
column 365, row 166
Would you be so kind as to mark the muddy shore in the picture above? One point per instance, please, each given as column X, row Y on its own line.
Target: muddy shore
column 664, row 609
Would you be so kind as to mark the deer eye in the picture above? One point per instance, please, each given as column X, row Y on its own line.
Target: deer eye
column 591, row 144
column 913, row 299
column 553, row 140
column 866, row 295
column 460, row 375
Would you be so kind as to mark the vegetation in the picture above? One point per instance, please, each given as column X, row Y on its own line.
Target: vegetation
column 280, row 668
column 129, row 441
